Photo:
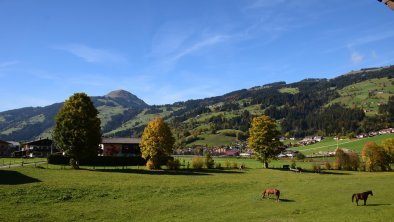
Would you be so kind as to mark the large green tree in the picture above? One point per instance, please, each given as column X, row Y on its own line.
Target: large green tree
column 157, row 142
column 264, row 139
column 77, row 128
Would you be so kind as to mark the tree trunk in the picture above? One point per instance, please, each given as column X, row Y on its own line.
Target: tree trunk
column 266, row 164
column 74, row 163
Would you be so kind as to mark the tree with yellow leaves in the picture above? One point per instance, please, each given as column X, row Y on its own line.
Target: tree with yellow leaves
column 264, row 139
column 374, row 157
column 388, row 147
column 157, row 142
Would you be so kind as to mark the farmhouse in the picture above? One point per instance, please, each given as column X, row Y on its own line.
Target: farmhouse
column 232, row 152
column 121, row 146
column 38, row 148
column 4, row 148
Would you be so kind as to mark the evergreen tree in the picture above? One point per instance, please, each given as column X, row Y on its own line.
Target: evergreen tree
column 77, row 128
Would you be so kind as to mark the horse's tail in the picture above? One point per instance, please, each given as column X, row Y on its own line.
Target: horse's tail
column 353, row 197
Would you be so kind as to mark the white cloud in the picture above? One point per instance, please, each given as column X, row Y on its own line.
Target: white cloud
column 210, row 41
column 8, row 63
column 357, row 57
column 170, row 37
column 92, row 55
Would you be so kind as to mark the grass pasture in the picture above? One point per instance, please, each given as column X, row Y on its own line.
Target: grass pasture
column 40, row 194
column 329, row 144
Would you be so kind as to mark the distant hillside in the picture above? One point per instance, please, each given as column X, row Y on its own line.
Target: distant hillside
column 33, row 122
column 355, row 102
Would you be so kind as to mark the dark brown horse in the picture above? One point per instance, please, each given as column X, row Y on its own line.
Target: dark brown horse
column 362, row 196
column 270, row 191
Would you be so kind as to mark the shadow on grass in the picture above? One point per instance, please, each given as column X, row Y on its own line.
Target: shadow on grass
column 311, row 171
column 377, row 205
column 9, row 177
column 286, row 200
column 203, row 172
column 280, row 200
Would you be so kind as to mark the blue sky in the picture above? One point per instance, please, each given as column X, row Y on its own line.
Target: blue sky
column 165, row 51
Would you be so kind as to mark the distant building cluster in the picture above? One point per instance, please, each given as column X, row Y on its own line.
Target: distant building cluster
column 44, row 147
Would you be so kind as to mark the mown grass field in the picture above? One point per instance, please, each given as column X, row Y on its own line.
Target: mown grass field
column 54, row 194
column 329, row 144
column 366, row 94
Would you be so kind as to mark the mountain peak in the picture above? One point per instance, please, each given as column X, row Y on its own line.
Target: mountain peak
column 120, row 94
column 126, row 98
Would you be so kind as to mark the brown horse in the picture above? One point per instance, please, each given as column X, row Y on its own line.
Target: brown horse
column 362, row 196
column 270, row 191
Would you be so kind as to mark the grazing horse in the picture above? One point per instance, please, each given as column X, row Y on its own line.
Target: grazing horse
column 362, row 196
column 270, row 191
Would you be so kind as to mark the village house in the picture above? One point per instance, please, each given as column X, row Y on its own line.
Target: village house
column 307, row 141
column 4, row 148
column 37, row 148
column 232, row 152
column 386, row 131
column 120, row 146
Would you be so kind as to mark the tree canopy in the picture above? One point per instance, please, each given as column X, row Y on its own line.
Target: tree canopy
column 77, row 128
column 157, row 142
column 374, row 156
column 264, row 138
column 388, row 146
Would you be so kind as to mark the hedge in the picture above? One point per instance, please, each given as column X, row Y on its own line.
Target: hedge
column 59, row 159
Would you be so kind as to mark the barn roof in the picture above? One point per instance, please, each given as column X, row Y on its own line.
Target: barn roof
column 119, row 140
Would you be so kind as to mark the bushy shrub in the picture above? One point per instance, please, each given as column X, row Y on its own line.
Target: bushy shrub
column 173, row 164
column 234, row 165
column 58, row 159
column 227, row 163
column 197, row 162
column 293, row 164
column 209, row 162
column 327, row 165
column 218, row 165
column 354, row 161
column 114, row 161
column 150, row 165
column 300, row 156
column 316, row 168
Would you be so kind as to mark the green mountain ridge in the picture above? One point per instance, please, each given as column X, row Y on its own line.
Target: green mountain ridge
column 349, row 101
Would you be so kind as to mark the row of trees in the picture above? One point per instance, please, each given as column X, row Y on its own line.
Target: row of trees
column 77, row 132
column 373, row 156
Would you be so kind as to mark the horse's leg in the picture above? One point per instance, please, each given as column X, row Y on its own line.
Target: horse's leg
column 357, row 201
column 365, row 201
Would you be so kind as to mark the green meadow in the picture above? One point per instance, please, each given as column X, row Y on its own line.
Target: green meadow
column 329, row 144
column 135, row 194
